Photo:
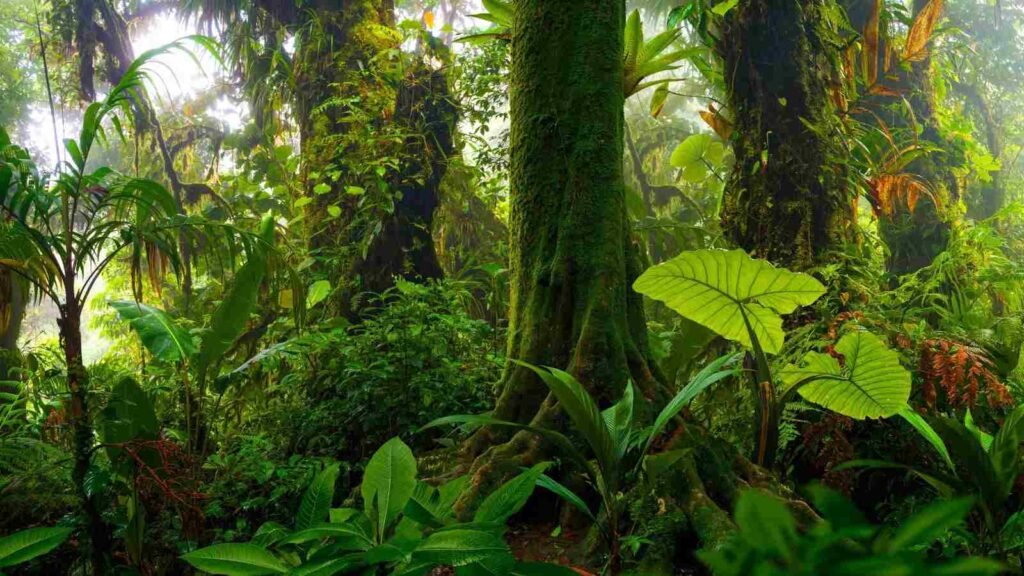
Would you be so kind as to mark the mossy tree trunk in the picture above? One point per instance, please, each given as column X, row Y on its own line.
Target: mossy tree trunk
column 353, row 103
column 424, row 111
column 572, row 259
column 915, row 237
column 13, row 301
column 785, row 200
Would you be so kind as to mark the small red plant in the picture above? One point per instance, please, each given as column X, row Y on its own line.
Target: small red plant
column 163, row 476
column 963, row 373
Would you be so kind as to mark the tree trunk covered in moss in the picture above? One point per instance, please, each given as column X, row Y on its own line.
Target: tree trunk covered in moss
column 424, row 111
column 337, row 92
column 991, row 194
column 13, row 301
column 354, row 108
column 915, row 237
column 785, row 200
column 572, row 260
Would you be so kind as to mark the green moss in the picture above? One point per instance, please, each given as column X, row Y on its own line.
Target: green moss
column 787, row 199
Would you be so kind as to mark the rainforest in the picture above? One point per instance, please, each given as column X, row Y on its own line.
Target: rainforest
column 512, row 287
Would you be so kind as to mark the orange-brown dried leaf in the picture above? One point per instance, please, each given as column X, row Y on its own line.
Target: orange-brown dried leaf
column 916, row 48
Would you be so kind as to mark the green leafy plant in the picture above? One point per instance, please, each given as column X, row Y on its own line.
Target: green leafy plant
column 646, row 58
column 404, row 527
column 615, row 436
column 25, row 545
column 974, row 464
column 60, row 232
column 167, row 341
column 642, row 58
column 743, row 299
column 843, row 542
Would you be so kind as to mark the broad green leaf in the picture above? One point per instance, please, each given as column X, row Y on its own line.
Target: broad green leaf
column 316, row 502
column 690, row 151
column 928, row 433
column 721, row 368
column 425, row 506
column 575, row 401
column 766, row 523
column 159, row 333
column 338, row 515
column 551, row 485
column 633, row 38
column 871, row 384
column 510, row 497
column 725, row 290
column 129, row 415
column 1004, row 450
column 839, row 512
column 327, row 567
column 388, row 483
column 931, row 523
column 722, row 8
column 232, row 315
column 25, row 545
column 500, row 10
column 984, row 438
column 317, row 292
column 459, row 547
column 618, row 420
column 235, row 560
column 658, row 99
column 346, row 536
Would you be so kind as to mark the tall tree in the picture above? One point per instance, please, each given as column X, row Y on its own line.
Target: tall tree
column 572, row 259
column 786, row 200
column 915, row 234
column 375, row 128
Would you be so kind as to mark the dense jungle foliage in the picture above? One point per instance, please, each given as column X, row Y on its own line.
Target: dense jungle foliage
column 511, row 287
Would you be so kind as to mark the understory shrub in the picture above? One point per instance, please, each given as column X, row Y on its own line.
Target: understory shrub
column 418, row 356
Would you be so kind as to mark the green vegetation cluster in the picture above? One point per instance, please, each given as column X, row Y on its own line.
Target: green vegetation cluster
column 530, row 288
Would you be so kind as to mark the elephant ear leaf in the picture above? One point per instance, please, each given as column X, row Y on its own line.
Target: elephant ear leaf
column 726, row 291
column 232, row 315
column 869, row 382
column 159, row 333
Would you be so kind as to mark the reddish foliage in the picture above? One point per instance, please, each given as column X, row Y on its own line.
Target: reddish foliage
column 839, row 320
column 962, row 372
column 826, row 441
column 163, row 476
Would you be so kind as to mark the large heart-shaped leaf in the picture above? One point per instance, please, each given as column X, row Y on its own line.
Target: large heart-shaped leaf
column 869, row 383
column 235, row 560
column 28, row 544
column 159, row 333
column 727, row 290
column 388, row 483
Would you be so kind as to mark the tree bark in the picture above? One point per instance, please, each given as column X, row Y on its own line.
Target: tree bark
column 70, row 324
column 405, row 246
column 12, row 312
column 785, row 200
column 993, row 193
column 915, row 237
column 572, row 259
